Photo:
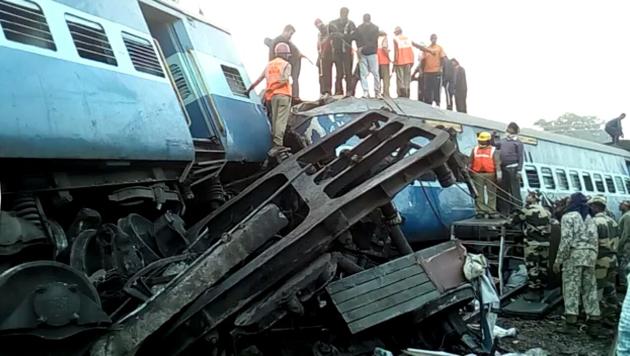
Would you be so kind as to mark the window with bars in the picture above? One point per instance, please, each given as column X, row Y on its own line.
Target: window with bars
column 547, row 176
column 575, row 181
column 588, row 182
column 563, row 181
column 24, row 22
column 142, row 55
column 532, row 177
column 620, row 187
column 90, row 40
column 599, row 182
column 180, row 81
column 627, row 181
column 610, row 184
column 234, row 80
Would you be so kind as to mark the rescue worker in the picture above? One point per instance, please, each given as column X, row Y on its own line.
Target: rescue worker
column 295, row 59
column 614, row 129
column 623, row 250
column 277, row 94
column 576, row 257
column 384, row 62
column 341, row 31
column 485, row 166
column 432, row 69
column 403, row 60
column 324, row 58
column 511, row 151
column 606, row 266
column 536, row 225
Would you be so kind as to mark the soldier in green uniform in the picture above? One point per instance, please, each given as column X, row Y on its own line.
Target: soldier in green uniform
column 577, row 254
column 606, row 266
column 623, row 250
column 535, row 222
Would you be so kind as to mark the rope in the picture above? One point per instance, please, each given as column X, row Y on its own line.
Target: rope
column 498, row 189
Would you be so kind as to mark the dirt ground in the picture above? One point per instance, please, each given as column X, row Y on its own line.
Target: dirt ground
column 545, row 334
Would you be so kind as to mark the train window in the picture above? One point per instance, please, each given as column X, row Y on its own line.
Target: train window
column 610, row 184
column 532, row 177
column 234, row 80
column 547, row 176
column 575, row 181
column 627, row 185
column 180, row 81
column 142, row 55
column 520, row 179
column 24, row 22
column 563, row 181
column 619, row 184
column 588, row 182
column 90, row 40
column 599, row 182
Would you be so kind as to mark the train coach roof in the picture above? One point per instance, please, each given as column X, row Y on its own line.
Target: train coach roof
column 178, row 9
column 418, row 109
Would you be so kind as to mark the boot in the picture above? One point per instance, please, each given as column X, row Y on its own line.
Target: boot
column 570, row 325
column 595, row 330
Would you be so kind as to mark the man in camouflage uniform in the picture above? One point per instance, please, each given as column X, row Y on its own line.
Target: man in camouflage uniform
column 606, row 266
column 536, row 225
column 623, row 250
column 577, row 254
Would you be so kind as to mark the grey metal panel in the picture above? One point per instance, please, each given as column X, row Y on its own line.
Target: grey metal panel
column 418, row 109
column 382, row 293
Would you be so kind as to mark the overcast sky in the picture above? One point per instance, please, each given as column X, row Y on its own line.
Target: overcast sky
column 525, row 60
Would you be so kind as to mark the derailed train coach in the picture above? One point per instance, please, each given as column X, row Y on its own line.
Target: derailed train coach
column 122, row 123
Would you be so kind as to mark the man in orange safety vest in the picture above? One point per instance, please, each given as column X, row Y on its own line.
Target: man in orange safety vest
column 485, row 167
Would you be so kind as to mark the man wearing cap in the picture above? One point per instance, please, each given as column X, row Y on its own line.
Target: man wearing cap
column 536, row 225
column 277, row 94
column 511, row 152
column 623, row 250
column 606, row 265
column 485, row 166
column 295, row 59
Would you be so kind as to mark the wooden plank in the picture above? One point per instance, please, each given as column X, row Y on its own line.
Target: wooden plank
column 370, row 274
column 387, row 302
column 392, row 312
column 378, row 282
column 383, row 292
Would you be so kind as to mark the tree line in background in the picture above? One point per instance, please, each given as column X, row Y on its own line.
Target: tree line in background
column 570, row 124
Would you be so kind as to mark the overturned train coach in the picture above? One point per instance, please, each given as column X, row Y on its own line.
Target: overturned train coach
column 133, row 221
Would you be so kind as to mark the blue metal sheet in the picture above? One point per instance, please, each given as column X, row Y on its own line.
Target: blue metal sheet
column 125, row 12
column 52, row 108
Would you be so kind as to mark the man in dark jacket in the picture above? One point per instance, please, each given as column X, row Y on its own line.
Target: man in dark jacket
column 295, row 59
column 324, row 58
column 460, row 86
column 511, row 153
column 613, row 128
column 341, row 32
column 366, row 37
column 448, row 79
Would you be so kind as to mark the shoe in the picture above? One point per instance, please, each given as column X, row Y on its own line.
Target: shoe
column 595, row 330
column 379, row 96
column 570, row 325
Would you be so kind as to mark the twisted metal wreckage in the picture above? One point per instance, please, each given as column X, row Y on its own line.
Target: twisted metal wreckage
column 309, row 259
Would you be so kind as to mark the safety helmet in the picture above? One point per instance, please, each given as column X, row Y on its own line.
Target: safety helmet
column 484, row 136
column 282, row 48
column 598, row 199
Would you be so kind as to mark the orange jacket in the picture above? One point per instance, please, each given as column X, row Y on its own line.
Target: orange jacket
column 483, row 159
column 273, row 75
column 404, row 50
column 383, row 57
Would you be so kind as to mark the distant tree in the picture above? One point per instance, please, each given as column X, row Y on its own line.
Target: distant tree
column 584, row 127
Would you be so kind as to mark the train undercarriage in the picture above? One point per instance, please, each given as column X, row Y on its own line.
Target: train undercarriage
column 309, row 259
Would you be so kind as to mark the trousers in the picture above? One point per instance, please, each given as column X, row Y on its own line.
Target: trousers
column 343, row 66
column 432, row 85
column 280, row 110
column 403, row 80
column 509, row 198
column 369, row 64
column 486, row 201
column 384, row 73
column 578, row 283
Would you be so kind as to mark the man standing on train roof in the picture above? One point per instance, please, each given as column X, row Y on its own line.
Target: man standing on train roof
column 459, row 86
column 536, row 226
column 511, row 151
column 324, row 58
column 623, row 250
column 433, row 62
column 341, row 31
column 576, row 257
column 278, row 93
column 403, row 61
column 614, row 129
column 606, row 266
column 366, row 37
column 384, row 62
column 295, row 60
column 485, row 166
